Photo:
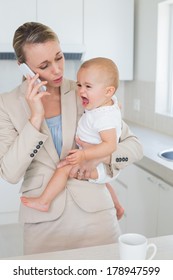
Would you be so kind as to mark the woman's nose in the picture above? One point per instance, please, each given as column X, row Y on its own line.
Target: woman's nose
column 55, row 69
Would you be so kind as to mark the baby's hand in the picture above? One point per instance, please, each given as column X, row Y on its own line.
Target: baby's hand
column 76, row 157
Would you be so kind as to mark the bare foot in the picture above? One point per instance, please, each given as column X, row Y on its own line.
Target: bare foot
column 35, row 203
column 120, row 212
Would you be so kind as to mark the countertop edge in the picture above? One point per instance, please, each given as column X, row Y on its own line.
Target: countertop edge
column 153, row 142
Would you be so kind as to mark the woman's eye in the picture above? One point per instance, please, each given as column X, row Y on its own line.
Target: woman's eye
column 88, row 86
column 43, row 67
column 59, row 58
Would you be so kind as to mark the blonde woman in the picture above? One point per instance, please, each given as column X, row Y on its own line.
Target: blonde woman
column 37, row 131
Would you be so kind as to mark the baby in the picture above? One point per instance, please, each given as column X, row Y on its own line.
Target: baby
column 100, row 125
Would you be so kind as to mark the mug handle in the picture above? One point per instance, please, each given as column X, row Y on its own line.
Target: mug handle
column 152, row 245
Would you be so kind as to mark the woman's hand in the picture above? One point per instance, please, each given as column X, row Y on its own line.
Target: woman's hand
column 80, row 171
column 33, row 97
column 83, row 170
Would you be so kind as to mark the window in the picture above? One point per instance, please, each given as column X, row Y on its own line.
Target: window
column 164, row 70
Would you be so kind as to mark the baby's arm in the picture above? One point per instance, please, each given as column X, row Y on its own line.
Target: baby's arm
column 105, row 148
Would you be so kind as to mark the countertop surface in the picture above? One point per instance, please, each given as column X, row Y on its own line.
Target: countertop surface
column 106, row 252
column 154, row 142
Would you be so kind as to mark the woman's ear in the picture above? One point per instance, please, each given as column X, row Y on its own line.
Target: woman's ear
column 110, row 91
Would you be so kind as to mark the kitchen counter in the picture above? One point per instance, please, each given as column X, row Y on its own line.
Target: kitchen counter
column 106, row 252
column 154, row 142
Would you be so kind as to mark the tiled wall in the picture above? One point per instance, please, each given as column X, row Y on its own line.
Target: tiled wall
column 144, row 91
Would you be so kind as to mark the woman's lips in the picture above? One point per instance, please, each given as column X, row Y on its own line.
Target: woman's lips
column 59, row 80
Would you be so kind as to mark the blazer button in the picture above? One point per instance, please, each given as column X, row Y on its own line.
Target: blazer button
column 40, row 142
column 38, row 147
column 35, row 151
column 32, row 155
column 126, row 158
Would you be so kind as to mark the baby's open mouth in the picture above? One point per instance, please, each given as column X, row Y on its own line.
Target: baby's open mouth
column 85, row 101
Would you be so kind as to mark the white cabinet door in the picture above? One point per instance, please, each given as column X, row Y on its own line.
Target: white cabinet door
column 165, row 213
column 64, row 17
column 148, row 202
column 109, row 31
column 12, row 15
column 142, row 200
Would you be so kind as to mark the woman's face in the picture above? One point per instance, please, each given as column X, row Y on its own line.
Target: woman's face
column 47, row 60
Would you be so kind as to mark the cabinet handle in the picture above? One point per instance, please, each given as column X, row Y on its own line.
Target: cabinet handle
column 163, row 187
column 152, row 180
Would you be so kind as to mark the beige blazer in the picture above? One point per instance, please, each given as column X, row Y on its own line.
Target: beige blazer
column 30, row 155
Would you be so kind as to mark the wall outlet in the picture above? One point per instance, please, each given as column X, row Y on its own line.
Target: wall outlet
column 136, row 104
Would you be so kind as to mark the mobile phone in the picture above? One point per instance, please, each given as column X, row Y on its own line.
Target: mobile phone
column 24, row 68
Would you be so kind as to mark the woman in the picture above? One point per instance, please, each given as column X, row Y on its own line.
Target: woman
column 37, row 130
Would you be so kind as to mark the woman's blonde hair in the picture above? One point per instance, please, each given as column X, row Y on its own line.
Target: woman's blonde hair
column 31, row 33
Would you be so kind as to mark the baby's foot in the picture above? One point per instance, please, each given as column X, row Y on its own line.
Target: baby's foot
column 35, row 203
column 120, row 212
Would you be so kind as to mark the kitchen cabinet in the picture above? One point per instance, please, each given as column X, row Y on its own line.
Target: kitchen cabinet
column 89, row 27
column 9, row 202
column 165, row 212
column 148, row 202
column 109, row 32
column 12, row 15
column 64, row 17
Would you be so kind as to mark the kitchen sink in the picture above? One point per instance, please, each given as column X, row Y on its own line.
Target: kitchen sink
column 167, row 154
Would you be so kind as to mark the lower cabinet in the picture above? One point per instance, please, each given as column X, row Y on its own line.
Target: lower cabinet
column 148, row 202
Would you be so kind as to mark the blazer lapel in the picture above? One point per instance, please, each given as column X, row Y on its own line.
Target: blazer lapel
column 69, row 116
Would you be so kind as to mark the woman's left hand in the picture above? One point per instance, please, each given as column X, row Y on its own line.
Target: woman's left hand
column 83, row 171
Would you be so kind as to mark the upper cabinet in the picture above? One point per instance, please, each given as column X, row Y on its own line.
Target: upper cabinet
column 12, row 15
column 97, row 28
column 64, row 17
column 109, row 32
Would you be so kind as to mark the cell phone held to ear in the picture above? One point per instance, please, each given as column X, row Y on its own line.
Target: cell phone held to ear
column 25, row 70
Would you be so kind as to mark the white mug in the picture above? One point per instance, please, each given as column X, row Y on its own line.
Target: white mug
column 133, row 246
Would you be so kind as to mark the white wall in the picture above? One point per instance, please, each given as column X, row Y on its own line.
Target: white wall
column 145, row 39
column 142, row 88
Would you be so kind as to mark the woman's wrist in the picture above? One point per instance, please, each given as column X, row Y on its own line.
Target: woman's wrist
column 36, row 121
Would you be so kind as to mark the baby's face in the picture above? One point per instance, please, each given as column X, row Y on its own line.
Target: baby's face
column 91, row 87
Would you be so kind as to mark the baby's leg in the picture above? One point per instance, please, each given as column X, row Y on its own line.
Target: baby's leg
column 56, row 184
column 119, row 208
